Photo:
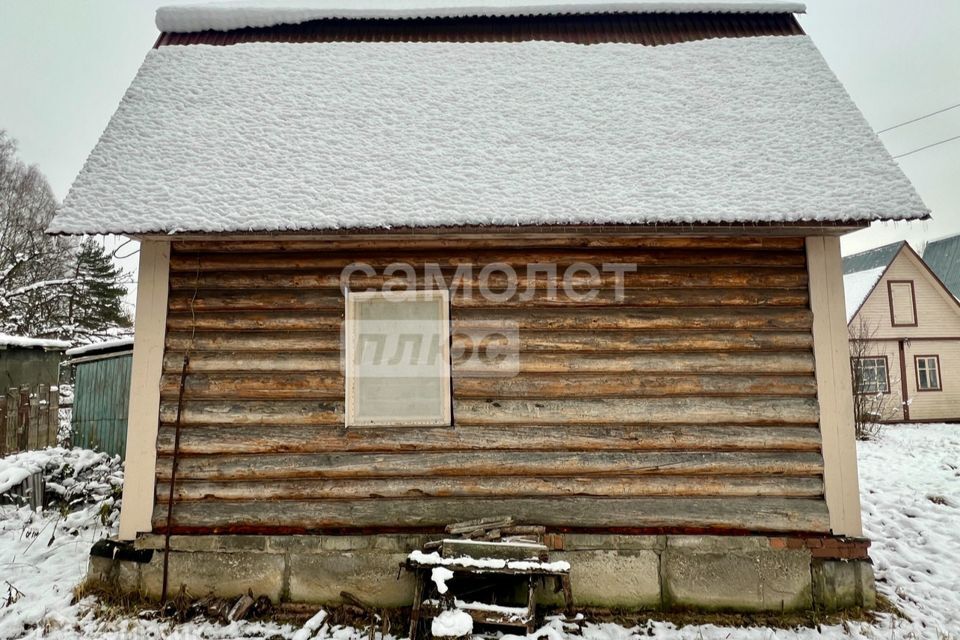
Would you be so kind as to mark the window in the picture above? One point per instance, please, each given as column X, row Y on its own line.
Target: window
column 903, row 303
column 928, row 373
column 397, row 358
column 871, row 375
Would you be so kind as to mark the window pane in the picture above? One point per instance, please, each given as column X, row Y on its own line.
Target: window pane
column 398, row 355
column 871, row 375
column 928, row 377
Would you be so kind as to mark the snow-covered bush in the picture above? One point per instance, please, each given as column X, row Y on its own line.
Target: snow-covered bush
column 75, row 479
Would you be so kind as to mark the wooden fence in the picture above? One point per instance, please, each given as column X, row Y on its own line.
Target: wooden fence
column 28, row 418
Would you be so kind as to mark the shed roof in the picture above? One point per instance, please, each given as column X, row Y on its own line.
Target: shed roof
column 328, row 136
column 10, row 341
column 943, row 257
column 119, row 345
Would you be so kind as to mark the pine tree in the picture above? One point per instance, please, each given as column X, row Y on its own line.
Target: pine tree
column 94, row 307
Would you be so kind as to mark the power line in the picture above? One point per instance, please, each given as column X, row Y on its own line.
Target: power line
column 903, row 124
column 900, row 155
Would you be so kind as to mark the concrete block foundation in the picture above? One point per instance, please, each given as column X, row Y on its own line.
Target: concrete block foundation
column 670, row 572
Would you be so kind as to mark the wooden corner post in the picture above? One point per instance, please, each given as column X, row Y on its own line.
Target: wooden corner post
column 831, row 352
column 144, row 417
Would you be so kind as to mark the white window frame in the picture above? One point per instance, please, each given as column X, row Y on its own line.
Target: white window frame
column 926, row 360
column 883, row 385
column 353, row 300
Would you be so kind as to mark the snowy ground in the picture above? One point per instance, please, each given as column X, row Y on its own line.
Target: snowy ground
column 910, row 481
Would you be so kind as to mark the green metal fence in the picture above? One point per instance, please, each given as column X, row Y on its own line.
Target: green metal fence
column 101, row 396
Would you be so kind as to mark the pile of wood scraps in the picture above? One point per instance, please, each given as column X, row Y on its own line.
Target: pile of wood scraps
column 490, row 530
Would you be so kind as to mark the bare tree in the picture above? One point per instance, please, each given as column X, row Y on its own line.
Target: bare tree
column 873, row 383
column 45, row 279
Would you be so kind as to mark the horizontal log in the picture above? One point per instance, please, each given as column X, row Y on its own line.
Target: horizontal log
column 645, row 278
column 199, row 412
column 193, row 263
column 329, row 320
column 634, row 319
column 660, row 363
column 251, row 361
column 680, row 410
column 241, row 439
column 593, row 320
column 256, row 341
column 753, row 410
column 576, row 385
column 291, row 299
column 579, row 342
column 531, row 362
column 572, row 342
column 747, row 514
column 449, row 241
column 468, row 319
column 287, row 385
column 499, row 463
column 480, row 487
column 254, row 386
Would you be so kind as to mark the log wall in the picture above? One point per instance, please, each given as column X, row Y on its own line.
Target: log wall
column 689, row 404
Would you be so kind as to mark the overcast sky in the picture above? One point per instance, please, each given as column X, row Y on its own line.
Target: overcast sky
column 64, row 65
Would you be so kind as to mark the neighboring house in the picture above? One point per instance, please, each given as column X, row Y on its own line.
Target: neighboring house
column 30, row 361
column 622, row 308
column 101, row 395
column 943, row 257
column 905, row 335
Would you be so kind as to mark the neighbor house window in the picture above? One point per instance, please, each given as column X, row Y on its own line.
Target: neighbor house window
column 871, row 375
column 397, row 358
column 928, row 373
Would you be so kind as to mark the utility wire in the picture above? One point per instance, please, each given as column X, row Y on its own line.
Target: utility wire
column 900, row 155
column 903, row 124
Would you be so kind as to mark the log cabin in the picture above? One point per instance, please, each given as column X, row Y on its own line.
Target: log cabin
column 614, row 230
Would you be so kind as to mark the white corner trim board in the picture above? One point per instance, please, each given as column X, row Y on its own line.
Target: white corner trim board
column 831, row 354
column 147, row 368
column 223, row 16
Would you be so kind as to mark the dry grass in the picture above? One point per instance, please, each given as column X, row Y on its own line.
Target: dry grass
column 113, row 603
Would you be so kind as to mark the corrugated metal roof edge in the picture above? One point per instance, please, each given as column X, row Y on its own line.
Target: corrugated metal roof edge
column 589, row 28
column 852, row 259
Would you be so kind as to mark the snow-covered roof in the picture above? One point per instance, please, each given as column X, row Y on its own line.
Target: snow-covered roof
column 119, row 344
column 7, row 340
column 857, row 286
column 223, row 16
column 323, row 136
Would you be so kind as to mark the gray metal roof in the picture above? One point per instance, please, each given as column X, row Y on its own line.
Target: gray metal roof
column 871, row 258
column 943, row 257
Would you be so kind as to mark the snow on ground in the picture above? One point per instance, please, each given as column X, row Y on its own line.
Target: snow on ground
column 910, row 488
column 910, row 483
